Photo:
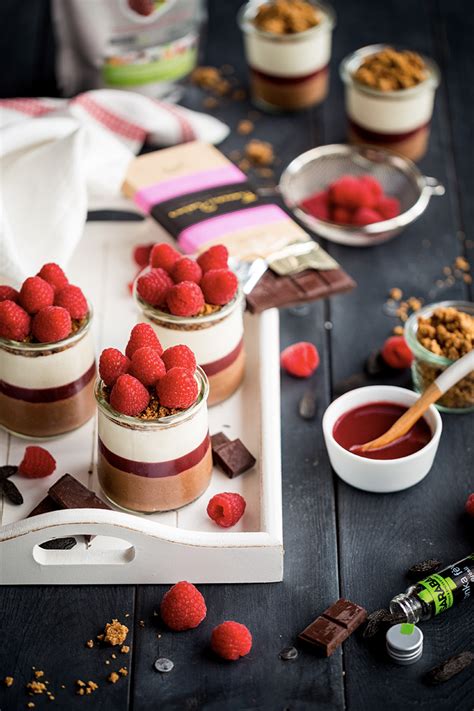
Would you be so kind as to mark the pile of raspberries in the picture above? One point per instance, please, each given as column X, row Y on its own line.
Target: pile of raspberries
column 352, row 200
column 146, row 371
column 182, row 285
column 44, row 309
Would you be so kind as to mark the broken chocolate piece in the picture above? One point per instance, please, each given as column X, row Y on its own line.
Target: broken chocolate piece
column 69, row 493
column 233, row 458
column 7, row 470
column 46, row 505
column 218, row 439
column 12, row 492
column 334, row 626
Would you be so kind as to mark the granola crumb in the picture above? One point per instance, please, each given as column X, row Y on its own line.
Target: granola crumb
column 265, row 172
column 115, row 633
column 107, row 661
column 114, row 656
column 100, row 637
column 90, row 643
column 30, row 705
column 113, row 677
column 244, row 165
column 467, row 278
column 36, row 687
column 259, row 152
column 8, row 681
column 123, row 671
column 244, row 127
column 125, row 649
column 39, row 674
column 239, row 95
column 398, row 331
column 462, row 263
column 235, row 156
column 210, row 102
column 396, row 293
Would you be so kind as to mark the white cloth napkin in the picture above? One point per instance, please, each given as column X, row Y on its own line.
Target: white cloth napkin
column 61, row 157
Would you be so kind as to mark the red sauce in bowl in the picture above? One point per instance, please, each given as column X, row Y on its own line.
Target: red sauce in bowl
column 367, row 422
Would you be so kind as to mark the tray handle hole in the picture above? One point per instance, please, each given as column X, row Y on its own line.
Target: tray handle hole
column 84, row 550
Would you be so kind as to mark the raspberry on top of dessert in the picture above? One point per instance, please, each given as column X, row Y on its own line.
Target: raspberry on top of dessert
column 392, row 70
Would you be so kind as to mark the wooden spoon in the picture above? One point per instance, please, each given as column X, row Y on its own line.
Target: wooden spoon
column 449, row 377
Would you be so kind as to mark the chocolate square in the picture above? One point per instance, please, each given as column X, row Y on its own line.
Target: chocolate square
column 346, row 613
column 234, row 458
column 69, row 493
column 324, row 635
column 218, row 439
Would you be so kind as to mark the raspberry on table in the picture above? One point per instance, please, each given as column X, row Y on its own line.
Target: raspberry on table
column 185, row 299
column 183, row 607
column 112, row 364
column 219, row 286
column 15, row 323
column 186, row 269
column 318, row 205
column 51, row 324
column 177, row 389
column 153, row 286
column 300, row 359
column 129, row 396
column 396, row 352
column 141, row 254
column 37, row 462
column 164, row 255
column 214, row 258
column 54, row 275
column 231, row 640
column 142, row 335
column 469, row 506
column 36, row 294
column 365, row 216
column 73, row 300
column 179, row 357
column 147, row 365
column 226, row 509
column 8, row 293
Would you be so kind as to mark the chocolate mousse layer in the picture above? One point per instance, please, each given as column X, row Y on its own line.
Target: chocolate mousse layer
column 289, row 93
column 224, row 382
column 412, row 144
column 48, row 412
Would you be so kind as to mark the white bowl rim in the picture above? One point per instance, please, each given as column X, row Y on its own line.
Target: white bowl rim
column 436, row 433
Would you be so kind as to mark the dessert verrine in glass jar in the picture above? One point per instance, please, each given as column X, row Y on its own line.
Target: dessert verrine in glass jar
column 206, row 315
column 438, row 335
column 152, row 456
column 288, row 49
column 389, row 97
column 47, row 359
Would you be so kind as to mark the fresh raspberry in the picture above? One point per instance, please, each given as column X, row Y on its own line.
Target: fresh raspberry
column 164, row 255
column 231, row 640
column 147, row 365
column 388, row 207
column 365, row 216
column 36, row 463
column 142, row 335
column 469, row 507
column 36, row 294
column 112, row 364
column 186, row 269
column 341, row 215
column 214, row 258
column 8, row 293
column 179, row 357
column 129, row 396
column 185, row 299
column 226, row 509
column 142, row 7
column 73, row 300
column 177, row 389
column 141, row 254
column 183, row 607
column 219, row 286
column 318, row 205
column 51, row 324
column 301, row 359
column 374, row 190
column 396, row 352
column 54, row 275
column 14, row 321
column 347, row 191
column 153, row 286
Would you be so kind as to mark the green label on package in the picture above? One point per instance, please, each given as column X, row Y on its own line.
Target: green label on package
column 437, row 591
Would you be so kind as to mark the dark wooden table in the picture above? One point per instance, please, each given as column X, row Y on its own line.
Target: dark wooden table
column 338, row 541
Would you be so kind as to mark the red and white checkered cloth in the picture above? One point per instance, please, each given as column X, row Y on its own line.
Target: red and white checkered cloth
column 61, row 157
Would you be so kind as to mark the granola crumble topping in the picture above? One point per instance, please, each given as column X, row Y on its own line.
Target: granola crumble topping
column 447, row 332
column 115, row 632
column 391, row 70
column 286, row 16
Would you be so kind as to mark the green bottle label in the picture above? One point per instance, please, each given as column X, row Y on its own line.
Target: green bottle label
column 437, row 591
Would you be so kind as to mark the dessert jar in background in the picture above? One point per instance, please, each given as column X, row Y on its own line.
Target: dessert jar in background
column 289, row 69
column 216, row 338
column 397, row 119
column 158, row 464
column 47, row 389
column 427, row 365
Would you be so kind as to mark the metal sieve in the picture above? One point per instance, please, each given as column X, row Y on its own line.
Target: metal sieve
column 314, row 170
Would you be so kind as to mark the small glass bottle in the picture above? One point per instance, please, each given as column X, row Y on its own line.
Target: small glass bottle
column 436, row 593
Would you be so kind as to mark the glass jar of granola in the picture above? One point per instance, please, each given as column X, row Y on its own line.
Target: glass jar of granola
column 438, row 335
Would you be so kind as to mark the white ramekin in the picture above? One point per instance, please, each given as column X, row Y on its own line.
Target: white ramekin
column 381, row 476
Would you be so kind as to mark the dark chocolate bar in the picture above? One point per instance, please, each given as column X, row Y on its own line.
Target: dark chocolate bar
column 218, row 440
column 46, row 505
column 232, row 457
column 69, row 493
column 334, row 626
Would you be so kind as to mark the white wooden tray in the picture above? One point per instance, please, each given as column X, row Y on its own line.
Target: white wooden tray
column 157, row 548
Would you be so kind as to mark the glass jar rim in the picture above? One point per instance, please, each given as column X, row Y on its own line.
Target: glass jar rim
column 353, row 60
column 247, row 12
column 161, row 422
column 27, row 347
column 411, row 328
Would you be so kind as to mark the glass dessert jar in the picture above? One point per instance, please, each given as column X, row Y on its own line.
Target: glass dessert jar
column 398, row 120
column 216, row 339
column 47, row 389
column 157, row 464
column 428, row 365
column 288, row 71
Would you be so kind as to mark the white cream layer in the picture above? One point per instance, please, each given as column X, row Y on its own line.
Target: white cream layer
column 208, row 344
column 157, row 444
column 48, row 371
column 389, row 114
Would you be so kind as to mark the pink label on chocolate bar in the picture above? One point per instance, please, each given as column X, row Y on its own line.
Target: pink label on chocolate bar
column 193, row 237
column 154, row 194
